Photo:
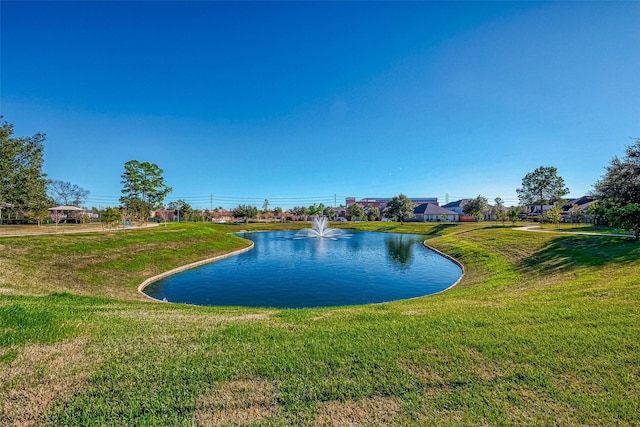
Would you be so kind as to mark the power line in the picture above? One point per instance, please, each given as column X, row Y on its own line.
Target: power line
column 211, row 199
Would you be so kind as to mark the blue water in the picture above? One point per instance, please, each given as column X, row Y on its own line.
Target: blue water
column 284, row 272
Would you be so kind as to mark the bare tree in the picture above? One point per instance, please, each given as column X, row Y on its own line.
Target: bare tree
column 66, row 194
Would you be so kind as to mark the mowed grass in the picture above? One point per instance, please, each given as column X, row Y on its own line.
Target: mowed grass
column 542, row 330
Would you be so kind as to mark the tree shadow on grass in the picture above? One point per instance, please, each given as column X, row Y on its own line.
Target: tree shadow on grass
column 566, row 253
column 437, row 230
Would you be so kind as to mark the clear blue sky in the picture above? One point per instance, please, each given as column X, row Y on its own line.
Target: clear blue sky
column 296, row 102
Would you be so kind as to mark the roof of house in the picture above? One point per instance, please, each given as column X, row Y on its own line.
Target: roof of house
column 457, row 204
column 432, row 209
column 66, row 208
column 581, row 201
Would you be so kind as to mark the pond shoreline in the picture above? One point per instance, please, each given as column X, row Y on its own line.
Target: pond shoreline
column 186, row 267
column 286, row 284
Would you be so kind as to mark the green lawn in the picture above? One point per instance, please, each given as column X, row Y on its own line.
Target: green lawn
column 544, row 329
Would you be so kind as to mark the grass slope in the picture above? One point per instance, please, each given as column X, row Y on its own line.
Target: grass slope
column 542, row 330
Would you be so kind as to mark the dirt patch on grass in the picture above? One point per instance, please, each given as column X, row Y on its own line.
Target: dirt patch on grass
column 35, row 230
column 529, row 407
column 177, row 317
column 483, row 367
column 250, row 316
column 414, row 313
column 379, row 411
column 39, row 376
column 322, row 316
column 238, row 403
column 431, row 376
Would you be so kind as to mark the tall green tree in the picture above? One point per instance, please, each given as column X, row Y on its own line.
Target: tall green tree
column 620, row 185
column 399, row 208
column 542, row 187
column 143, row 188
column 476, row 207
column 22, row 182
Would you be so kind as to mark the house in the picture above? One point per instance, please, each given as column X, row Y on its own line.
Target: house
column 576, row 210
column 163, row 215
column 340, row 212
column 431, row 212
column 490, row 214
column 457, row 206
column 381, row 202
column 65, row 213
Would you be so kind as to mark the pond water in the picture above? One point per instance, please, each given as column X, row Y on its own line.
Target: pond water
column 284, row 272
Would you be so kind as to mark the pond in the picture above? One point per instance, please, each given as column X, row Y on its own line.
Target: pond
column 285, row 272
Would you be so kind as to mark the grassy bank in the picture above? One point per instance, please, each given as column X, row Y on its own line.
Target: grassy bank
column 543, row 329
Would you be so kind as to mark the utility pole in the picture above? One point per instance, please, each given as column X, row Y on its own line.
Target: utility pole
column 211, row 202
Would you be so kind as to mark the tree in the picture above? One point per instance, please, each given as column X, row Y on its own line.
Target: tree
column 277, row 212
column 541, row 187
column 266, row 215
column 56, row 217
column 373, row 213
column 300, row 212
column 330, row 213
column 42, row 214
column 110, row 216
column 501, row 213
column 181, row 208
column 555, row 214
column 598, row 212
column 143, row 188
column 577, row 214
column 514, row 214
column 22, row 183
column 195, row 215
column 502, row 216
column 621, row 183
column 245, row 212
column 355, row 211
column 399, row 208
column 476, row 207
column 66, row 194
column 626, row 218
column 316, row 209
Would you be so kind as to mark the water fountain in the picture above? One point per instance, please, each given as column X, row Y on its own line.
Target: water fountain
column 320, row 229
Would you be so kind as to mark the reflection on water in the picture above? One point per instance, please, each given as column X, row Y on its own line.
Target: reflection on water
column 400, row 248
column 285, row 272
